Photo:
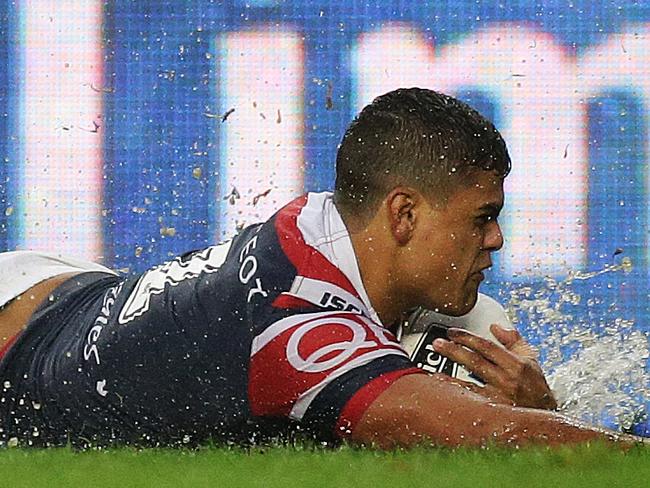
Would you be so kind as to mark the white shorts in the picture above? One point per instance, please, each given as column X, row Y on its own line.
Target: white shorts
column 20, row 270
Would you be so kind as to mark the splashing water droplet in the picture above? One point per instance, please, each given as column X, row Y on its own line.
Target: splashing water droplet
column 595, row 362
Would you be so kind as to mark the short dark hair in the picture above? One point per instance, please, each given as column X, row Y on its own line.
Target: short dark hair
column 415, row 137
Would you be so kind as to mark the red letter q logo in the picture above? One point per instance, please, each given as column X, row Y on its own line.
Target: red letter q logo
column 314, row 362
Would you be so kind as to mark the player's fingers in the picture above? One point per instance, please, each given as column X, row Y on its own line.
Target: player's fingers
column 523, row 349
column 513, row 341
column 472, row 361
column 507, row 337
column 496, row 354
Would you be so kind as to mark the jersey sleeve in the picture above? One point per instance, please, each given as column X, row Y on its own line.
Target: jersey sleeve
column 323, row 369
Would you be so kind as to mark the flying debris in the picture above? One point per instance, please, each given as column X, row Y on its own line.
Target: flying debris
column 329, row 100
column 223, row 117
column 232, row 196
column 94, row 130
column 256, row 198
column 226, row 115
column 167, row 231
column 100, row 89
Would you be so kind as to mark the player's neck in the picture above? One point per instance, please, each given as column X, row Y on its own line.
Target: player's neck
column 375, row 258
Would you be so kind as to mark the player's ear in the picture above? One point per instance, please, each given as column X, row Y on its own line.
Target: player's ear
column 401, row 205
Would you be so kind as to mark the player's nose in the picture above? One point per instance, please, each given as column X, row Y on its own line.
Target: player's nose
column 493, row 237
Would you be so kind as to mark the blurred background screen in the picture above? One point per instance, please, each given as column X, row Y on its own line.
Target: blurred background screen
column 132, row 131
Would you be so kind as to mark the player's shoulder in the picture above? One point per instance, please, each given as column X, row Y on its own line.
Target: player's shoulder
column 308, row 365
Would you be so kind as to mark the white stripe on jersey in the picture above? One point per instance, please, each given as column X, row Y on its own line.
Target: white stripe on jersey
column 314, row 292
column 277, row 328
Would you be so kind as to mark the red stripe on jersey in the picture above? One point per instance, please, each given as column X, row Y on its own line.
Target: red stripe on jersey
column 289, row 301
column 296, row 357
column 362, row 399
column 309, row 261
column 4, row 349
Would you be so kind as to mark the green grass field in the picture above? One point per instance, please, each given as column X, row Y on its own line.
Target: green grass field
column 591, row 467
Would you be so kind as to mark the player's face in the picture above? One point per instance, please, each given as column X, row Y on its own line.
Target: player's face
column 453, row 244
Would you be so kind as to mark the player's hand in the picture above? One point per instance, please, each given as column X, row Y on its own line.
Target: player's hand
column 512, row 370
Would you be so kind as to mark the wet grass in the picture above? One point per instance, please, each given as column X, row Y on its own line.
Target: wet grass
column 588, row 466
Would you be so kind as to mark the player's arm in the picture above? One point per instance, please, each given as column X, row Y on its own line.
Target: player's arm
column 435, row 409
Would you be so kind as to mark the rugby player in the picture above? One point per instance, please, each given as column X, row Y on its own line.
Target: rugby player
column 290, row 327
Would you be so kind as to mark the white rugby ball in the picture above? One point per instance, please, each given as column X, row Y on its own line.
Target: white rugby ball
column 424, row 326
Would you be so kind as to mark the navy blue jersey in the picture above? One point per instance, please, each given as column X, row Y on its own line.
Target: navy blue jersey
column 264, row 335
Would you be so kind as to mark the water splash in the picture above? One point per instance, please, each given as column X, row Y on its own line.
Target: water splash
column 596, row 363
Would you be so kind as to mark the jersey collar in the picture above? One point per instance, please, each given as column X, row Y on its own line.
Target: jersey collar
column 330, row 236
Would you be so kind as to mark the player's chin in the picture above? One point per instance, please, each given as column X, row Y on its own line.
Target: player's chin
column 461, row 309
column 462, row 305
column 465, row 304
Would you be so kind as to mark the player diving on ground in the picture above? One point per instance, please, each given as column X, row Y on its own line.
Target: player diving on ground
column 291, row 327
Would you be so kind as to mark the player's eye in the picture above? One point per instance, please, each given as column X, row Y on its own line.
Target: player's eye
column 484, row 219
